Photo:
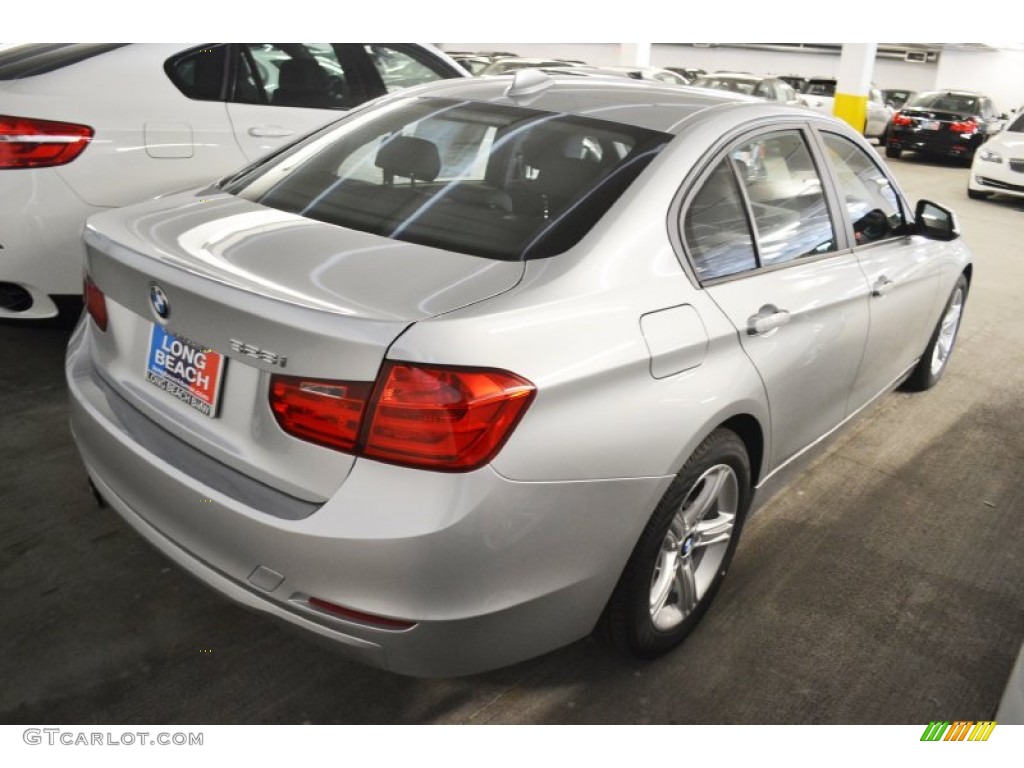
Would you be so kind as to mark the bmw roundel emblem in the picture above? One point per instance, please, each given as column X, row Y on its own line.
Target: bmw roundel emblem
column 158, row 300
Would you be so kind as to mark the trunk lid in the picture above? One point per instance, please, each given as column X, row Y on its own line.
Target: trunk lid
column 271, row 292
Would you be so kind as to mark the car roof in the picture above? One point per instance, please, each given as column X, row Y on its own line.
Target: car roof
column 643, row 103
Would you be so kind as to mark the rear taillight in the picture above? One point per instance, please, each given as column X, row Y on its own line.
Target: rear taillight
column 900, row 119
column 324, row 412
column 436, row 417
column 96, row 304
column 970, row 125
column 28, row 143
column 444, row 418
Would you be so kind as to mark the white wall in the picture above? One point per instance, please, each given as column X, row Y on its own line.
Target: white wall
column 999, row 75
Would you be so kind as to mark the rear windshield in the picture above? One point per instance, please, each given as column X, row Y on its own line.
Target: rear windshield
column 28, row 60
column 947, row 102
column 496, row 181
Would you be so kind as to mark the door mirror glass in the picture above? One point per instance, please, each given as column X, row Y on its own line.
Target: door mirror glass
column 935, row 222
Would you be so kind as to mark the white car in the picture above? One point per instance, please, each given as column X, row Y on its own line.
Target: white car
column 998, row 165
column 820, row 95
column 89, row 127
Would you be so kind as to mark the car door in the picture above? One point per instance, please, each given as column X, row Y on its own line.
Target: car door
column 901, row 269
column 760, row 235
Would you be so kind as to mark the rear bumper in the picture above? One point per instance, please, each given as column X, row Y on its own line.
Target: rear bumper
column 934, row 142
column 491, row 571
column 41, row 222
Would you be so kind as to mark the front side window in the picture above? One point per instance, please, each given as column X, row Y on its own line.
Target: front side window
column 497, row 181
column 871, row 202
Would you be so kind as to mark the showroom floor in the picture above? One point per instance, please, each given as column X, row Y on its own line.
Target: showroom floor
column 885, row 586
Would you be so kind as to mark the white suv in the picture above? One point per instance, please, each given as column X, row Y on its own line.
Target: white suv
column 89, row 127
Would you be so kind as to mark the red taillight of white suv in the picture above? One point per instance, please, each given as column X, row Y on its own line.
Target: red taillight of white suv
column 29, row 143
column 435, row 417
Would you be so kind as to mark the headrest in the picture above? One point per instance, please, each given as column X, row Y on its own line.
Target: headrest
column 301, row 73
column 409, row 157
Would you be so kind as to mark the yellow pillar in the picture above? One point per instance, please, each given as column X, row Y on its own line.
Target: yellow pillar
column 856, row 64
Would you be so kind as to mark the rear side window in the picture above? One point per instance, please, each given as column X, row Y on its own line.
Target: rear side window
column 309, row 75
column 772, row 183
column 399, row 67
column 199, row 74
column 716, row 227
column 28, row 60
column 497, row 181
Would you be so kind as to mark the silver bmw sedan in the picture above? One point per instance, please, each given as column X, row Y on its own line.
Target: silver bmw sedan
column 488, row 365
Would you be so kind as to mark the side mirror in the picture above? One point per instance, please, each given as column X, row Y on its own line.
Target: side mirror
column 935, row 222
column 1003, row 116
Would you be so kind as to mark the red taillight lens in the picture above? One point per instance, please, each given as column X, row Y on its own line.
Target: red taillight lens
column 325, row 412
column 96, row 304
column 28, row 143
column 435, row 417
column 444, row 418
column 900, row 119
column 970, row 125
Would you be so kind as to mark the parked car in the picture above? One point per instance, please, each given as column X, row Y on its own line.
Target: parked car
column 998, row 165
column 649, row 73
column 820, row 94
column 475, row 62
column 943, row 123
column 897, row 97
column 690, row 73
column 88, row 127
column 798, row 82
column 771, row 88
column 439, row 384
column 507, row 65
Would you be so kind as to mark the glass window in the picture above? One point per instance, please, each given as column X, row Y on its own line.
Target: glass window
column 497, row 181
column 790, row 214
column 716, row 229
column 292, row 75
column 199, row 74
column 870, row 199
column 399, row 68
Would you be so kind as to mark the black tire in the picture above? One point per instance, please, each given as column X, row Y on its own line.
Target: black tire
column 893, row 152
column 976, row 195
column 926, row 375
column 627, row 622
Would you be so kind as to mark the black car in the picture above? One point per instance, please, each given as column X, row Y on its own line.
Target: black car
column 946, row 123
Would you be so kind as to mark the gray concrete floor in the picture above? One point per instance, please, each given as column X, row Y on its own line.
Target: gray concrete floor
column 886, row 585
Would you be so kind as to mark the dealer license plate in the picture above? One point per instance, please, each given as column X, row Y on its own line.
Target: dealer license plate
column 930, row 125
column 185, row 370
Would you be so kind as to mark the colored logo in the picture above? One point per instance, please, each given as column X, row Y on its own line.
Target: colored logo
column 959, row 730
column 158, row 300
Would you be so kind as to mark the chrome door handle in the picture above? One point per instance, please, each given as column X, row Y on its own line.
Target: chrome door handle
column 270, row 131
column 769, row 318
column 882, row 286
